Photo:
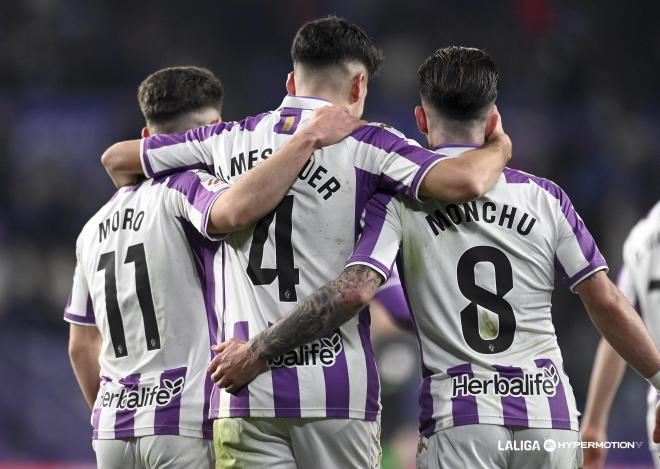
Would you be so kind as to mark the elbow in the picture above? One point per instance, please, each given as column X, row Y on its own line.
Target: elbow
column 474, row 189
column 236, row 219
column 109, row 159
column 75, row 350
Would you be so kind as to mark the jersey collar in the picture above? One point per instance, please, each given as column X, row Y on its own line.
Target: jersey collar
column 303, row 102
column 454, row 149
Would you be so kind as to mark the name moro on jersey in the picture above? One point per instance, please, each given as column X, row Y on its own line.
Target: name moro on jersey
column 543, row 382
column 323, row 351
column 143, row 396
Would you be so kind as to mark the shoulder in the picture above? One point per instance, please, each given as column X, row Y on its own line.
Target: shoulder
column 381, row 135
column 543, row 185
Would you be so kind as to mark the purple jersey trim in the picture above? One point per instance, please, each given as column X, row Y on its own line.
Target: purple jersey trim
column 239, row 403
column 337, row 390
column 96, row 418
column 125, row 419
column 514, row 408
column 203, row 253
column 288, row 112
column 464, row 407
column 561, row 418
column 372, row 405
column 88, row 319
column 379, row 267
column 426, row 422
column 190, row 185
column 166, row 418
column 584, row 238
column 286, row 392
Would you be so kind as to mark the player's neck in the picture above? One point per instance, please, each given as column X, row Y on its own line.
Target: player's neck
column 441, row 137
column 325, row 93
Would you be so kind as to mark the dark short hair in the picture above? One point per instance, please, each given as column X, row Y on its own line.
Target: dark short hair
column 333, row 40
column 171, row 92
column 459, row 82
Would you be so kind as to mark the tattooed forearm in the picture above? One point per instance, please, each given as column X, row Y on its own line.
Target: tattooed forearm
column 323, row 311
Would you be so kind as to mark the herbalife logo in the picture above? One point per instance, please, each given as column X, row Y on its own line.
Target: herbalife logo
column 542, row 383
column 147, row 396
column 320, row 352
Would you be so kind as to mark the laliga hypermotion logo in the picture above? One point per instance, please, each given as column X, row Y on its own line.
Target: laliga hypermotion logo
column 322, row 352
column 544, row 382
column 146, row 396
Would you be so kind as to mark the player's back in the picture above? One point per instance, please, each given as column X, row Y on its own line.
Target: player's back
column 141, row 258
column 479, row 276
column 300, row 246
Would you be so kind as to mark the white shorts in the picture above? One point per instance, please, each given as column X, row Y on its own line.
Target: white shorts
column 498, row 447
column 283, row 443
column 154, row 452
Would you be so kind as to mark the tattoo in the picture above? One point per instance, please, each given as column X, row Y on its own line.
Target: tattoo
column 323, row 311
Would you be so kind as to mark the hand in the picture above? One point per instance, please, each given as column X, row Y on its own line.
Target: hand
column 331, row 124
column 656, row 430
column 594, row 458
column 495, row 131
column 235, row 365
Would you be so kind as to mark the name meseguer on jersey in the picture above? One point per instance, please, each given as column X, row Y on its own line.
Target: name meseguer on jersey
column 480, row 211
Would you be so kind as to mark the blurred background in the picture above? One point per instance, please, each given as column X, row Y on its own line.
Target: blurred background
column 579, row 98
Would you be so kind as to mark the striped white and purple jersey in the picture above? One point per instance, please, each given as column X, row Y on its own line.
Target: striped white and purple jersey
column 300, row 246
column 144, row 277
column 639, row 278
column 479, row 277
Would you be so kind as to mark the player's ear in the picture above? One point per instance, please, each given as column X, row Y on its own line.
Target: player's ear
column 145, row 132
column 358, row 87
column 216, row 120
column 492, row 121
column 420, row 117
column 291, row 84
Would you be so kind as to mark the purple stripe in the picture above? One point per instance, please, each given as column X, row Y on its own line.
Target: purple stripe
column 193, row 135
column 592, row 267
column 204, row 252
column 166, row 418
column 392, row 299
column 584, row 238
column 366, row 184
column 77, row 318
column 240, row 402
column 286, row 392
column 514, row 408
column 383, row 139
column 374, row 220
column 149, row 171
column 426, row 422
column 561, row 418
column 190, row 185
column 96, row 418
column 464, row 407
column 214, row 410
column 372, row 405
column 250, row 123
column 166, row 172
column 89, row 313
column 125, row 419
column 337, row 387
column 287, row 112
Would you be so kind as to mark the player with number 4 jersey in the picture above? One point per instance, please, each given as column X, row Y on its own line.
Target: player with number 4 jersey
column 304, row 243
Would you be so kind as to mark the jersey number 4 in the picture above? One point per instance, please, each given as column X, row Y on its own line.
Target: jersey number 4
column 479, row 296
column 287, row 275
column 135, row 254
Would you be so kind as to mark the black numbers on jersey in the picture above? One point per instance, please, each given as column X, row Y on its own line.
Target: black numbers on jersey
column 287, row 275
column 479, row 296
column 135, row 254
column 654, row 285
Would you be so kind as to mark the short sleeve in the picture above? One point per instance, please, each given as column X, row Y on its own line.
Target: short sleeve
column 400, row 163
column 576, row 255
column 164, row 154
column 378, row 244
column 79, row 309
column 191, row 197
